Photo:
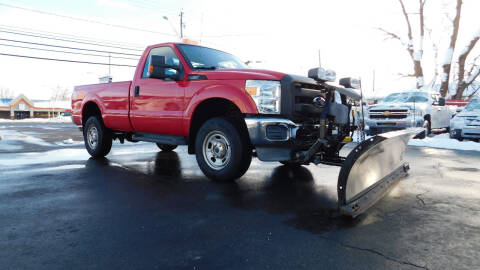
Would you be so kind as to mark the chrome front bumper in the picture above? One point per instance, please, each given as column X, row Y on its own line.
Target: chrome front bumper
column 272, row 137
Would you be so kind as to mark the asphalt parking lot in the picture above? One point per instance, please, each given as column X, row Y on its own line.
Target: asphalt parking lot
column 144, row 209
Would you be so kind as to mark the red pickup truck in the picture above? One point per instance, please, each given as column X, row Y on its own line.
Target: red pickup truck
column 227, row 113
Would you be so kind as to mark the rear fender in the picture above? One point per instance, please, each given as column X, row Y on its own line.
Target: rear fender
column 95, row 99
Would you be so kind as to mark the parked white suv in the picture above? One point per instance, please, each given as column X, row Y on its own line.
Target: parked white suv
column 408, row 109
column 466, row 124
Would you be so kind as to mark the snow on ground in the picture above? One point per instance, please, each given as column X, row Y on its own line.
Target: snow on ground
column 69, row 142
column 59, row 119
column 444, row 141
column 12, row 140
column 436, row 141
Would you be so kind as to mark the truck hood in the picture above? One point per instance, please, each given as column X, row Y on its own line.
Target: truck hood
column 242, row 74
column 390, row 106
column 464, row 113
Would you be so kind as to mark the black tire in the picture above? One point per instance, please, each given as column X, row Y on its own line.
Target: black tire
column 103, row 140
column 166, row 147
column 227, row 144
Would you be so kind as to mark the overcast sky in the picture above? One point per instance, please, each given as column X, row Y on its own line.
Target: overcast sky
column 284, row 35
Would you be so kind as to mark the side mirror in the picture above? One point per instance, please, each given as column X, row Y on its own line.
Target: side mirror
column 350, row 83
column 158, row 69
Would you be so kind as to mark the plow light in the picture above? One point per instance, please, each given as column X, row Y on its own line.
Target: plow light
column 320, row 74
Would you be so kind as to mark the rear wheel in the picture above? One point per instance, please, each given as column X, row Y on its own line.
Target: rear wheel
column 166, row 147
column 222, row 150
column 98, row 139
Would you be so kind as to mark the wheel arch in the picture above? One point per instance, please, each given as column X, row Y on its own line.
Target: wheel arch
column 214, row 107
column 89, row 109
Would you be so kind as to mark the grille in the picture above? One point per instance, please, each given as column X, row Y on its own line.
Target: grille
column 388, row 114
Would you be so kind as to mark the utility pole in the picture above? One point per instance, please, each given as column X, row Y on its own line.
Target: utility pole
column 181, row 24
column 373, row 83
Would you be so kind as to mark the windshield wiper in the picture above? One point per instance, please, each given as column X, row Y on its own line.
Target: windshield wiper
column 207, row 68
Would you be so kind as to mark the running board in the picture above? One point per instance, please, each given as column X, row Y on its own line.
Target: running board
column 159, row 138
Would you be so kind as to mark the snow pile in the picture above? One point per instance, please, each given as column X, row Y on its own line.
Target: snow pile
column 444, row 141
column 68, row 141
column 59, row 119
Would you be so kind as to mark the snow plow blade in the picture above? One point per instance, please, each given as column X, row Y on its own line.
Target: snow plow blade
column 371, row 169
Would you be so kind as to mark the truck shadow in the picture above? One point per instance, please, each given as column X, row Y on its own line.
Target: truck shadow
column 286, row 191
column 292, row 190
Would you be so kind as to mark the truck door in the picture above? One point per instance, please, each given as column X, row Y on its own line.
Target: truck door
column 440, row 116
column 156, row 105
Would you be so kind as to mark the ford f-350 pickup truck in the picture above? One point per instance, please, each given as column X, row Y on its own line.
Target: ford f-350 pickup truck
column 227, row 113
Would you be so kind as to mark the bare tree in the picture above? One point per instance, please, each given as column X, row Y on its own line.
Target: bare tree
column 6, row 93
column 466, row 78
column 447, row 63
column 415, row 55
column 61, row 93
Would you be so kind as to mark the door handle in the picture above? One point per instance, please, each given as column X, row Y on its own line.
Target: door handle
column 137, row 91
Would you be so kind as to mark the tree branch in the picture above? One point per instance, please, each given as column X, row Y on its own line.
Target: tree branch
column 391, row 35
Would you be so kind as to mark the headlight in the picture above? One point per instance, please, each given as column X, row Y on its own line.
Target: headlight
column 266, row 95
column 458, row 119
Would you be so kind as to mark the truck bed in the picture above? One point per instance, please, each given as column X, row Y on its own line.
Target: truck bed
column 111, row 98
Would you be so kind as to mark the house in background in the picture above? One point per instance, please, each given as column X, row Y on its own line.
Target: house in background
column 21, row 107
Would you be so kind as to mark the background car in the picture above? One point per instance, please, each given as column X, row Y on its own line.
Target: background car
column 466, row 124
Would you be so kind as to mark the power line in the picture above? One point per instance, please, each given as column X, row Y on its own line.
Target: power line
column 65, row 60
column 66, row 47
column 69, row 36
column 66, row 40
column 78, row 53
column 85, row 20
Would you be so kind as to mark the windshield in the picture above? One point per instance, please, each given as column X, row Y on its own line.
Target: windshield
column 206, row 58
column 474, row 104
column 406, row 97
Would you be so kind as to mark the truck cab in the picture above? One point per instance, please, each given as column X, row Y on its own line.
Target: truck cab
column 408, row 109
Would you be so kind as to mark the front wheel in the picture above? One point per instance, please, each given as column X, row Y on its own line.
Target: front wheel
column 222, row 150
column 98, row 139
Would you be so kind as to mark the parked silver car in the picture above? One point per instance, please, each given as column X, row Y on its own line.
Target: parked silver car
column 408, row 109
column 466, row 124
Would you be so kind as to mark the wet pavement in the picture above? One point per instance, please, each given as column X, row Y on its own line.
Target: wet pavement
column 144, row 209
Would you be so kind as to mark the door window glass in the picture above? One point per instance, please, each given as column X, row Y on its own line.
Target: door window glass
column 170, row 59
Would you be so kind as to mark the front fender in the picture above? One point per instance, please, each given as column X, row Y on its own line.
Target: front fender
column 234, row 93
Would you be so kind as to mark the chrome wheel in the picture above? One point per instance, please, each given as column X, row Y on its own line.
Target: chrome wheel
column 216, row 150
column 92, row 137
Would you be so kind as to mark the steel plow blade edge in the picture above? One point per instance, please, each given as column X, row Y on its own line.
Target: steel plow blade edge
column 371, row 169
